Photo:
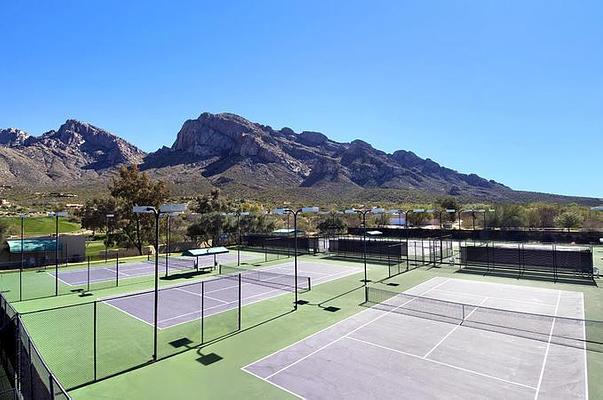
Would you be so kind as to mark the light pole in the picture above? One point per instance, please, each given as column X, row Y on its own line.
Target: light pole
column 56, row 216
column 107, row 236
column 163, row 209
column 363, row 214
column 289, row 211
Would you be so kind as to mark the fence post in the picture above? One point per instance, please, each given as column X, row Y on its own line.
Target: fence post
column 94, row 339
column 17, row 372
column 117, row 268
column 239, row 302
column 31, row 381
column 202, row 310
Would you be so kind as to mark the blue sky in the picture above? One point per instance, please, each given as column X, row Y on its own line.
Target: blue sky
column 510, row 90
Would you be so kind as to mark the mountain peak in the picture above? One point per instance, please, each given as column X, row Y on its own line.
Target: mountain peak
column 12, row 137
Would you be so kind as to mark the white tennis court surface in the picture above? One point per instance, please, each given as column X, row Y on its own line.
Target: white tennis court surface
column 381, row 353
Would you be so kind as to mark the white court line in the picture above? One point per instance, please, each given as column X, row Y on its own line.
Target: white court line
column 454, row 329
column 349, row 333
column 548, row 346
column 128, row 313
column 497, row 298
column 212, row 307
column 517, row 287
column 268, row 294
column 199, row 295
column 276, row 385
column 301, row 271
column 244, row 368
column 441, row 363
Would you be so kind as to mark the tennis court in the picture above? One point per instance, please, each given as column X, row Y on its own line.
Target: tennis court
column 444, row 338
column 182, row 304
column 81, row 276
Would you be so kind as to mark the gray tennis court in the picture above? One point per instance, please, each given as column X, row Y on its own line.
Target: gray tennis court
column 507, row 342
column 109, row 272
column 181, row 304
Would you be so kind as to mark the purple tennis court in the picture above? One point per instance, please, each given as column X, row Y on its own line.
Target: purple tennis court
column 502, row 341
column 182, row 304
column 105, row 272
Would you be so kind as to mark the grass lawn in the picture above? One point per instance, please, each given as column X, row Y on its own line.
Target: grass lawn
column 95, row 247
column 39, row 226
column 65, row 339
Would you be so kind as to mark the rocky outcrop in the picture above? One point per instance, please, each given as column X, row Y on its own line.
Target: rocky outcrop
column 12, row 137
column 74, row 152
column 227, row 145
column 229, row 151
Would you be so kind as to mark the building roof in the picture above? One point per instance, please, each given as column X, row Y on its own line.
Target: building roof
column 32, row 245
column 205, row 251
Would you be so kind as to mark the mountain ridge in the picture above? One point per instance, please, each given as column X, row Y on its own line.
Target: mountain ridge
column 228, row 151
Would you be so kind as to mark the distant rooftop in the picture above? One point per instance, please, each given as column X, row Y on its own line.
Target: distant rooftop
column 32, row 245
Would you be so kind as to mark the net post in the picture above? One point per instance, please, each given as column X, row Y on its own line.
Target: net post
column 51, row 385
column 88, row 280
column 309, row 283
column 239, row 304
column 94, row 339
column 117, row 269
column 202, row 310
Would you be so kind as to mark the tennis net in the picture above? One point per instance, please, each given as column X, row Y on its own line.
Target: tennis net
column 573, row 332
column 267, row 278
column 176, row 263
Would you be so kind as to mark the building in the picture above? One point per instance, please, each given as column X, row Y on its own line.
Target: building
column 42, row 251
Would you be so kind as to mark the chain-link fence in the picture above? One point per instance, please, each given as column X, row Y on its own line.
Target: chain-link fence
column 29, row 376
column 540, row 261
column 90, row 275
column 86, row 342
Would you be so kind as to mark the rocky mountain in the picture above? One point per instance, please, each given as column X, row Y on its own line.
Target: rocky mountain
column 244, row 158
column 230, row 150
column 12, row 137
column 74, row 153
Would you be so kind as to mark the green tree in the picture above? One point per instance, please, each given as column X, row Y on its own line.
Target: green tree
column 93, row 215
column 332, row 225
column 3, row 231
column 214, row 202
column 449, row 203
column 509, row 216
column 547, row 214
column 569, row 219
column 132, row 187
